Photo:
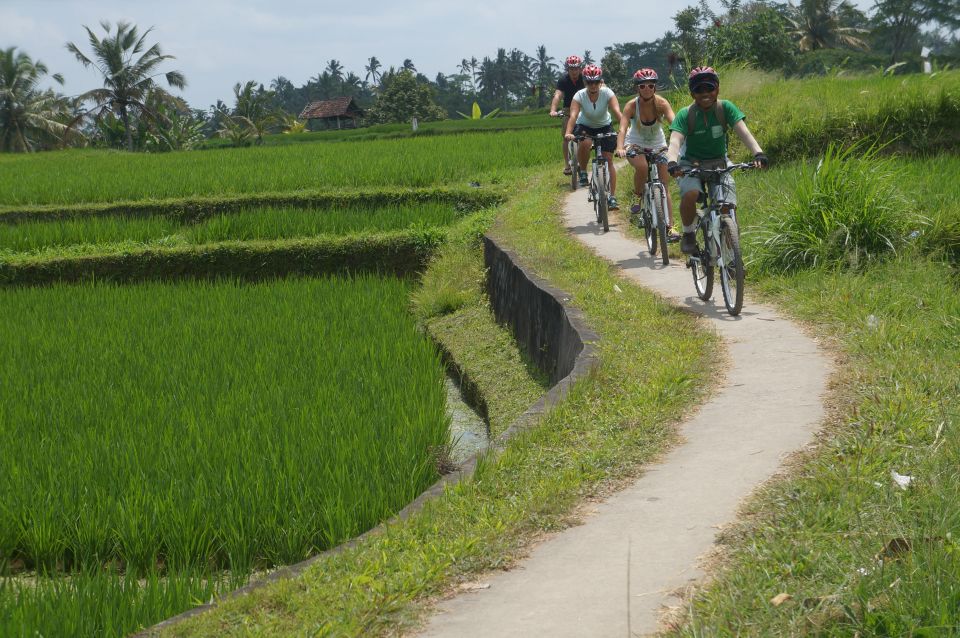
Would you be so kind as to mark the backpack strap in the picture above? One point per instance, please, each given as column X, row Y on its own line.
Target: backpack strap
column 718, row 111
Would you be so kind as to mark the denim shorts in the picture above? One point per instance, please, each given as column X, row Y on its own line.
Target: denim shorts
column 727, row 187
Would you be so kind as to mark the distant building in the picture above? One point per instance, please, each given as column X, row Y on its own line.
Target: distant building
column 340, row 112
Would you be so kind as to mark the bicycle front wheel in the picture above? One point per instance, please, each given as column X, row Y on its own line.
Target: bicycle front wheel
column 603, row 213
column 649, row 226
column 731, row 266
column 574, row 165
column 702, row 268
column 660, row 209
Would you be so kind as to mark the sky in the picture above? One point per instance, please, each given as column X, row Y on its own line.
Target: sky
column 218, row 43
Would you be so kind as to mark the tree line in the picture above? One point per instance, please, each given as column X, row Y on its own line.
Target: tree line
column 135, row 110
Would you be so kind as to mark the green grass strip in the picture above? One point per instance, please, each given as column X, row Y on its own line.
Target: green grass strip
column 619, row 417
column 399, row 252
column 196, row 208
column 52, row 237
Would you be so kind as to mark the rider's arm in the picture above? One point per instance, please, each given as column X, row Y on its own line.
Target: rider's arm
column 676, row 141
column 556, row 101
column 666, row 109
column 574, row 112
column 624, row 125
column 614, row 106
column 747, row 137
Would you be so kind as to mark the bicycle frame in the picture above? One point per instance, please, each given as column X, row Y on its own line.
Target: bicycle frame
column 599, row 178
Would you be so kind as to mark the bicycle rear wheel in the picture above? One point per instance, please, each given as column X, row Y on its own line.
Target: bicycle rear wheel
column 702, row 269
column 660, row 208
column 731, row 267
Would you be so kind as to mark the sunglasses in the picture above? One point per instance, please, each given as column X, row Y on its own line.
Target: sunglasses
column 647, row 85
column 704, row 88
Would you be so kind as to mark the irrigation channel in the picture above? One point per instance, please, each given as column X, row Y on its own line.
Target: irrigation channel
column 469, row 433
column 634, row 553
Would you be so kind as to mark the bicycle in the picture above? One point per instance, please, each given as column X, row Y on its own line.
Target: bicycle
column 652, row 217
column 599, row 179
column 717, row 223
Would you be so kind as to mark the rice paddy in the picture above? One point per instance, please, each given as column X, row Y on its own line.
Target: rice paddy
column 173, row 431
column 98, row 176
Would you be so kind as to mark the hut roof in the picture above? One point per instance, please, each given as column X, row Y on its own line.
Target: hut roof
column 338, row 106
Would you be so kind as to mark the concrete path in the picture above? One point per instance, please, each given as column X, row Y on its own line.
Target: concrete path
column 612, row 575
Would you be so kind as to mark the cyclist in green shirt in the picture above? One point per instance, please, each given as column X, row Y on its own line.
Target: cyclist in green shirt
column 700, row 137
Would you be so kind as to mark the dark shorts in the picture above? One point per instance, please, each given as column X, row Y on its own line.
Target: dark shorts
column 607, row 144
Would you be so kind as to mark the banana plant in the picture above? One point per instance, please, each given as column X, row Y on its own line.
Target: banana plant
column 476, row 115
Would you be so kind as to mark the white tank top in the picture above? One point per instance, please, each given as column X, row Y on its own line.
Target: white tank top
column 594, row 115
column 643, row 135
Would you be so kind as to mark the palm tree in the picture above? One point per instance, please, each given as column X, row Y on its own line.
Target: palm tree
column 27, row 114
column 469, row 68
column 373, row 69
column 335, row 69
column 818, row 24
column 408, row 66
column 127, row 78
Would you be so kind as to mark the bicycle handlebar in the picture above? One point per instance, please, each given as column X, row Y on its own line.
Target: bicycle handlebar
column 696, row 171
column 598, row 136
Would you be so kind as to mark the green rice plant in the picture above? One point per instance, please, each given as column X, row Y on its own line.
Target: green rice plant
column 849, row 211
column 289, row 223
column 101, row 603
column 260, row 223
column 100, row 176
column 208, row 424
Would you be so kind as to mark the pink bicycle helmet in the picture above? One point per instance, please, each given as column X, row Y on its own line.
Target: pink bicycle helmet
column 592, row 73
column 645, row 75
column 574, row 62
column 703, row 75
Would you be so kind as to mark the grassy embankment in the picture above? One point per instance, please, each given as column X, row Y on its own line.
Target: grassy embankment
column 856, row 553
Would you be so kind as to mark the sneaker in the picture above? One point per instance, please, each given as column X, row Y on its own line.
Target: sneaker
column 688, row 243
column 583, row 178
column 567, row 170
column 635, row 209
column 672, row 236
column 612, row 203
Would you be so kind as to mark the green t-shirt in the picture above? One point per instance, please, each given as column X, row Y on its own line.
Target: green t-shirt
column 707, row 141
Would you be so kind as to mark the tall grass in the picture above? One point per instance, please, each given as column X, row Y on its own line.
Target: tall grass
column 209, row 424
column 799, row 118
column 263, row 223
column 928, row 222
column 848, row 211
column 99, row 176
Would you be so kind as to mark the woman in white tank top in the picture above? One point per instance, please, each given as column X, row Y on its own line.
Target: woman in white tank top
column 641, row 128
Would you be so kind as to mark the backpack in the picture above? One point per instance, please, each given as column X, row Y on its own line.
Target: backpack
column 718, row 110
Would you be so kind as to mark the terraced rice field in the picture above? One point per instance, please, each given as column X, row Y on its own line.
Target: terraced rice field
column 171, row 432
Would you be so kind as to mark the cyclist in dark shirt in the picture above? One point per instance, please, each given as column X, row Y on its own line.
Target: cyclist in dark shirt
column 567, row 87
